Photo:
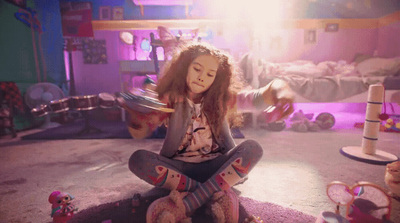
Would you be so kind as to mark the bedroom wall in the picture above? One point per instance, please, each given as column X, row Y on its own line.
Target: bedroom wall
column 377, row 37
column 389, row 40
column 283, row 45
column 98, row 78
column 341, row 45
column 19, row 46
column 289, row 45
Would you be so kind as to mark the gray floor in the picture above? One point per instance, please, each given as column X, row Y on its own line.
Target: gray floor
column 294, row 171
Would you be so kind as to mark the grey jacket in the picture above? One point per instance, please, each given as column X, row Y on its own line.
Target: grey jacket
column 180, row 120
column 178, row 124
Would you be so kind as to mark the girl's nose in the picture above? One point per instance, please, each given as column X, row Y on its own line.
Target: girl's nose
column 200, row 77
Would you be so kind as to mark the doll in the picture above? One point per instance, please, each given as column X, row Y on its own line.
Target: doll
column 199, row 160
column 62, row 207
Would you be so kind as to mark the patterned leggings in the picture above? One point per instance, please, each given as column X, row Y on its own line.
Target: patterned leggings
column 202, row 179
column 175, row 174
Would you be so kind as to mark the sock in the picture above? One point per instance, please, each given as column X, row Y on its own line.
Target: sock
column 173, row 180
column 223, row 180
column 201, row 195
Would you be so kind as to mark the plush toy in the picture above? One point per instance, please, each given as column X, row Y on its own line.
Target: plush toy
column 253, row 219
column 168, row 209
column 224, row 207
column 392, row 178
column 62, row 209
column 391, row 126
column 301, row 122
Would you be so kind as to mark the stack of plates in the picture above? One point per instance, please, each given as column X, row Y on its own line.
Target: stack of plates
column 144, row 101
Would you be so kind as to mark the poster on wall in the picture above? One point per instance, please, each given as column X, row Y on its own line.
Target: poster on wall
column 76, row 19
column 310, row 36
column 94, row 51
column 105, row 12
column 118, row 13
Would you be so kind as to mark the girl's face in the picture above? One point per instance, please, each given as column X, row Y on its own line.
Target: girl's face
column 201, row 75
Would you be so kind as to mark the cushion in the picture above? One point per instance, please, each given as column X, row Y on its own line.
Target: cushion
column 379, row 67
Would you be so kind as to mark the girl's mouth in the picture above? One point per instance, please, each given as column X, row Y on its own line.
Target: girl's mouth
column 197, row 84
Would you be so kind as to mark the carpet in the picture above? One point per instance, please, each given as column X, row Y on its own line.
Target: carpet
column 122, row 211
column 97, row 129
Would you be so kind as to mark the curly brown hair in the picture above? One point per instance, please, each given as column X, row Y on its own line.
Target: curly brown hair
column 216, row 99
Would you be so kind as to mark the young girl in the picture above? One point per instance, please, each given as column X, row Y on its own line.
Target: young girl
column 199, row 156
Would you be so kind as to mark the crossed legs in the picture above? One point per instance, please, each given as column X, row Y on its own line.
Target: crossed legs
column 202, row 179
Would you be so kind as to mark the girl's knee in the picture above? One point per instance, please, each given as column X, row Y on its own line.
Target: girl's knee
column 251, row 146
column 137, row 159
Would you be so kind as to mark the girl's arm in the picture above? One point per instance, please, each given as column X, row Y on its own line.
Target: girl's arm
column 277, row 93
column 142, row 125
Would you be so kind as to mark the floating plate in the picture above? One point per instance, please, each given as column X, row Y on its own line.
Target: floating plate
column 144, row 104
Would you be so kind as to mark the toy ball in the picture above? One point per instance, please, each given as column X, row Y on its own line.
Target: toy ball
column 325, row 120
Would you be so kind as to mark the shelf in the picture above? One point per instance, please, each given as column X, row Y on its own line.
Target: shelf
column 215, row 23
column 152, row 24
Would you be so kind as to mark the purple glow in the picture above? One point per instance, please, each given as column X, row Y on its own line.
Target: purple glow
column 331, row 107
column 346, row 114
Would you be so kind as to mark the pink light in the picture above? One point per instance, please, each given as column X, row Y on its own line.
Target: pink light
column 66, row 64
column 346, row 114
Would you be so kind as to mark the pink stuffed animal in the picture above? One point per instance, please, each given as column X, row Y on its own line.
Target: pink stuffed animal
column 62, row 208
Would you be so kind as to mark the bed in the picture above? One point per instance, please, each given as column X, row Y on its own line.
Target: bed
column 327, row 81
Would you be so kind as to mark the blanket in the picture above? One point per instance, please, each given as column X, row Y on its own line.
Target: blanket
column 327, row 81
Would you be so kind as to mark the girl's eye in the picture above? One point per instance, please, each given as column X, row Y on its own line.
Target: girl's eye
column 196, row 69
column 210, row 75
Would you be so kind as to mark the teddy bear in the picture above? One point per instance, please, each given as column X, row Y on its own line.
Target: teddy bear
column 392, row 178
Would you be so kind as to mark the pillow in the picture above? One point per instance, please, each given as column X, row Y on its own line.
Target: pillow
column 379, row 67
column 359, row 57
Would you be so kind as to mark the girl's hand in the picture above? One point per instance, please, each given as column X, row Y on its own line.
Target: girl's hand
column 138, row 123
column 141, row 125
column 279, row 94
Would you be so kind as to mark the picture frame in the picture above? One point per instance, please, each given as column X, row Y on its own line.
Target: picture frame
column 332, row 27
column 310, row 36
column 105, row 12
column 118, row 13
